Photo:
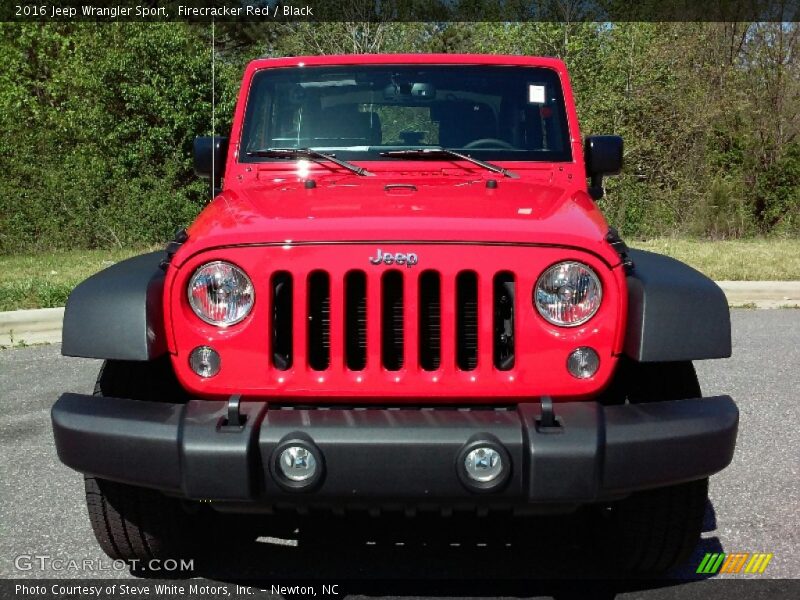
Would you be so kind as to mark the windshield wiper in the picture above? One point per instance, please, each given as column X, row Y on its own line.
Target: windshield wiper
column 308, row 153
column 438, row 152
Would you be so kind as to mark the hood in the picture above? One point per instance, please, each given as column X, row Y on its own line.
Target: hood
column 438, row 208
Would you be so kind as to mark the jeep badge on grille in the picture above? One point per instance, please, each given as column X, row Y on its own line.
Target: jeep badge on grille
column 399, row 258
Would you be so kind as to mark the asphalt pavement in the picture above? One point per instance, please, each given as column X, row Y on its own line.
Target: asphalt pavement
column 754, row 504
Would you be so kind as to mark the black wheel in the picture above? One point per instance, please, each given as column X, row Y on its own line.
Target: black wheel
column 129, row 522
column 638, row 383
column 133, row 523
column 655, row 530
column 151, row 380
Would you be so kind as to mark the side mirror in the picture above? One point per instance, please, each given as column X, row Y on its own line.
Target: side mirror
column 209, row 159
column 603, row 156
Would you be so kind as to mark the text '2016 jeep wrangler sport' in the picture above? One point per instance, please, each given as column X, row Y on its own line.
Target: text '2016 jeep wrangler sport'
column 402, row 297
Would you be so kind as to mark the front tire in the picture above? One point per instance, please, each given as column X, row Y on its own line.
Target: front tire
column 655, row 530
column 134, row 523
column 130, row 522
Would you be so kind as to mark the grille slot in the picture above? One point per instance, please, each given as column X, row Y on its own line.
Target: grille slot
column 281, row 339
column 392, row 320
column 467, row 320
column 430, row 321
column 503, row 321
column 355, row 324
column 319, row 320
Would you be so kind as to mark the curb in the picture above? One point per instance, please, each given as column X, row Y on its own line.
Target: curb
column 34, row 326
column 43, row 325
column 762, row 294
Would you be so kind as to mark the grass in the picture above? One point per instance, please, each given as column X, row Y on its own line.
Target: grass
column 45, row 280
column 733, row 260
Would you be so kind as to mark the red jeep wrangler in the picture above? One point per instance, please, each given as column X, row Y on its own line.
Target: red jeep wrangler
column 402, row 297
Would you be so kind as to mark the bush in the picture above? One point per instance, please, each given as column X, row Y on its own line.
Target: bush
column 99, row 134
column 777, row 194
column 722, row 212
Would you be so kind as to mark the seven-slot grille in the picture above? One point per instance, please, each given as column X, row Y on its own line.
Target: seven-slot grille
column 393, row 317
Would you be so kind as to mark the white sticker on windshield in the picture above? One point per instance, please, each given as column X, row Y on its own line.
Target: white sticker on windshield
column 536, row 94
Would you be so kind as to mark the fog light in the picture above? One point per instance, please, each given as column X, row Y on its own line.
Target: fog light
column 583, row 362
column 204, row 361
column 297, row 464
column 483, row 464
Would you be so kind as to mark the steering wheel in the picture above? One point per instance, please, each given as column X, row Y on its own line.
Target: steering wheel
column 488, row 143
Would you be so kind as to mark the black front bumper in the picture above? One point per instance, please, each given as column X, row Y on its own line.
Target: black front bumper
column 395, row 456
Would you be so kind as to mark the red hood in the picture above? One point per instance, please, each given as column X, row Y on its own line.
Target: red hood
column 436, row 208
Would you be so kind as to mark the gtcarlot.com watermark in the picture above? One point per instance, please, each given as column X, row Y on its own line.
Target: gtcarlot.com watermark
column 59, row 564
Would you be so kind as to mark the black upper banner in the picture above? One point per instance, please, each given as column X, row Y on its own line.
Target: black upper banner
column 400, row 10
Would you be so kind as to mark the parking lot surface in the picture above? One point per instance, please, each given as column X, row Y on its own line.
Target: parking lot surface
column 754, row 504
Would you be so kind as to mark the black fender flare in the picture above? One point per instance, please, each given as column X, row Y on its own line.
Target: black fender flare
column 117, row 313
column 675, row 313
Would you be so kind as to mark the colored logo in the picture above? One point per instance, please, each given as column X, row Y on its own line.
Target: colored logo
column 738, row 562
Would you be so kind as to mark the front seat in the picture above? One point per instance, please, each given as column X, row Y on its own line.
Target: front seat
column 342, row 125
column 462, row 122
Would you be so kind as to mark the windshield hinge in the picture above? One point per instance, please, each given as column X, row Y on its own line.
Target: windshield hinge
column 620, row 247
column 172, row 247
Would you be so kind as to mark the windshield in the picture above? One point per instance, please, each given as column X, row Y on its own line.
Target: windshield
column 361, row 112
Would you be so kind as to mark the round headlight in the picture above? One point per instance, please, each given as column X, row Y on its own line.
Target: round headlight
column 568, row 294
column 221, row 293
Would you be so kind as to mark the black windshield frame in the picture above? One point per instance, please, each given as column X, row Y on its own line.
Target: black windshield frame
column 479, row 84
